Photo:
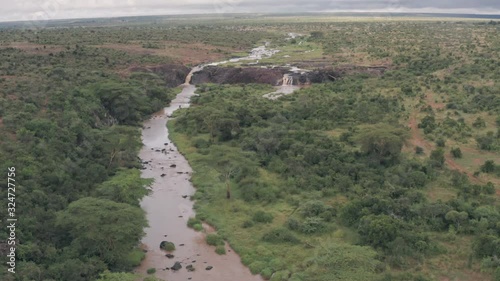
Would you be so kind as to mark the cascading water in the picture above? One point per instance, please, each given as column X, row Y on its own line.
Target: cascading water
column 286, row 88
column 287, row 80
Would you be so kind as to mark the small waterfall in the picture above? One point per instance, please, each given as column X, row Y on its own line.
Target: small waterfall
column 192, row 72
column 287, row 80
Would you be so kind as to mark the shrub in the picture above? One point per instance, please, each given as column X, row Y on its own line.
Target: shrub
column 437, row 157
column 488, row 166
column 248, row 224
column 135, row 257
column 151, row 270
column 221, row 250
column 312, row 225
column 440, row 142
column 280, row 235
column 214, row 239
column 257, row 266
column 198, row 227
column 479, row 123
column 267, row 273
column 419, row 150
column 456, row 152
column 313, row 208
column 293, row 224
column 262, row 217
column 192, row 222
column 167, row 246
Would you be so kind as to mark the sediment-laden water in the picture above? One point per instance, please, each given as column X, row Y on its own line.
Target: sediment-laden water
column 168, row 206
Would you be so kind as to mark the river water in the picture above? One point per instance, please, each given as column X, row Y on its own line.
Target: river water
column 167, row 210
column 168, row 206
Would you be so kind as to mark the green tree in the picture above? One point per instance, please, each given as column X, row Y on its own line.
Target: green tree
column 382, row 141
column 103, row 228
column 437, row 157
column 126, row 186
column 379, row 230
column 488, row 166
column 456, row 152
column 457, row 218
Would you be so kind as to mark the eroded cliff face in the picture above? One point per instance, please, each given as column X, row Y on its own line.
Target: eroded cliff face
column 271, row 76
column 237, row 75
column 175, row 74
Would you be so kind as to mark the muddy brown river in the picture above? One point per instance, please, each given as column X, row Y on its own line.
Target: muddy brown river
column 168, row 208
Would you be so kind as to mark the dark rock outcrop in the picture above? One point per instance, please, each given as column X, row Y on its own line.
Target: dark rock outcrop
column 271, row 76
column 237, row 75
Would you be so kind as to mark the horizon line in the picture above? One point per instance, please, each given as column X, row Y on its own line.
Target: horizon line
column 387, row 13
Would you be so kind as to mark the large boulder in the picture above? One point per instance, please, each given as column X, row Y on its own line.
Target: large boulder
column 177, row 265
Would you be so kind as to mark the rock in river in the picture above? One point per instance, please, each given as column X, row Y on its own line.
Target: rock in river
column 177, row 266
column 167, row 246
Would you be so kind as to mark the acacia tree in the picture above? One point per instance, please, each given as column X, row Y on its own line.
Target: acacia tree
column 382, row 141
column 126, row 186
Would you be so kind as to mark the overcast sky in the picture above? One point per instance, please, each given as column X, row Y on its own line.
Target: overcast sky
column 60, row 9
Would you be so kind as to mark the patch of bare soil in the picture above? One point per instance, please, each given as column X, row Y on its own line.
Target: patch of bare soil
column 429, row 98
column 418, row 140
column 195, row 53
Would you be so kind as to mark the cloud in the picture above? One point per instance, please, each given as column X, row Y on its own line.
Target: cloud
column 57, row 9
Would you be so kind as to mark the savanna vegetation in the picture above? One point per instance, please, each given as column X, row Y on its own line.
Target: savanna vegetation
column 380, row 175
column 372, row 177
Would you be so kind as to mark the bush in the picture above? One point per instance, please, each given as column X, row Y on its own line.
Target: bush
column 437, row 157
column 221, row 250
column 419, row 150
column 151, row 270
column 192, row 222
column 479, row 123
column 488, row 166
column 248, row 224
column 198, row 227
column 312, row 225
column 293, row 224
column 214, row 239
column 456, row 152
column 441, row 143
column 167, row 246
column 313, row 208
column 280, row 235
column 263, row 217
column 257, row 266
column 267, row 273
column 135, row 257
